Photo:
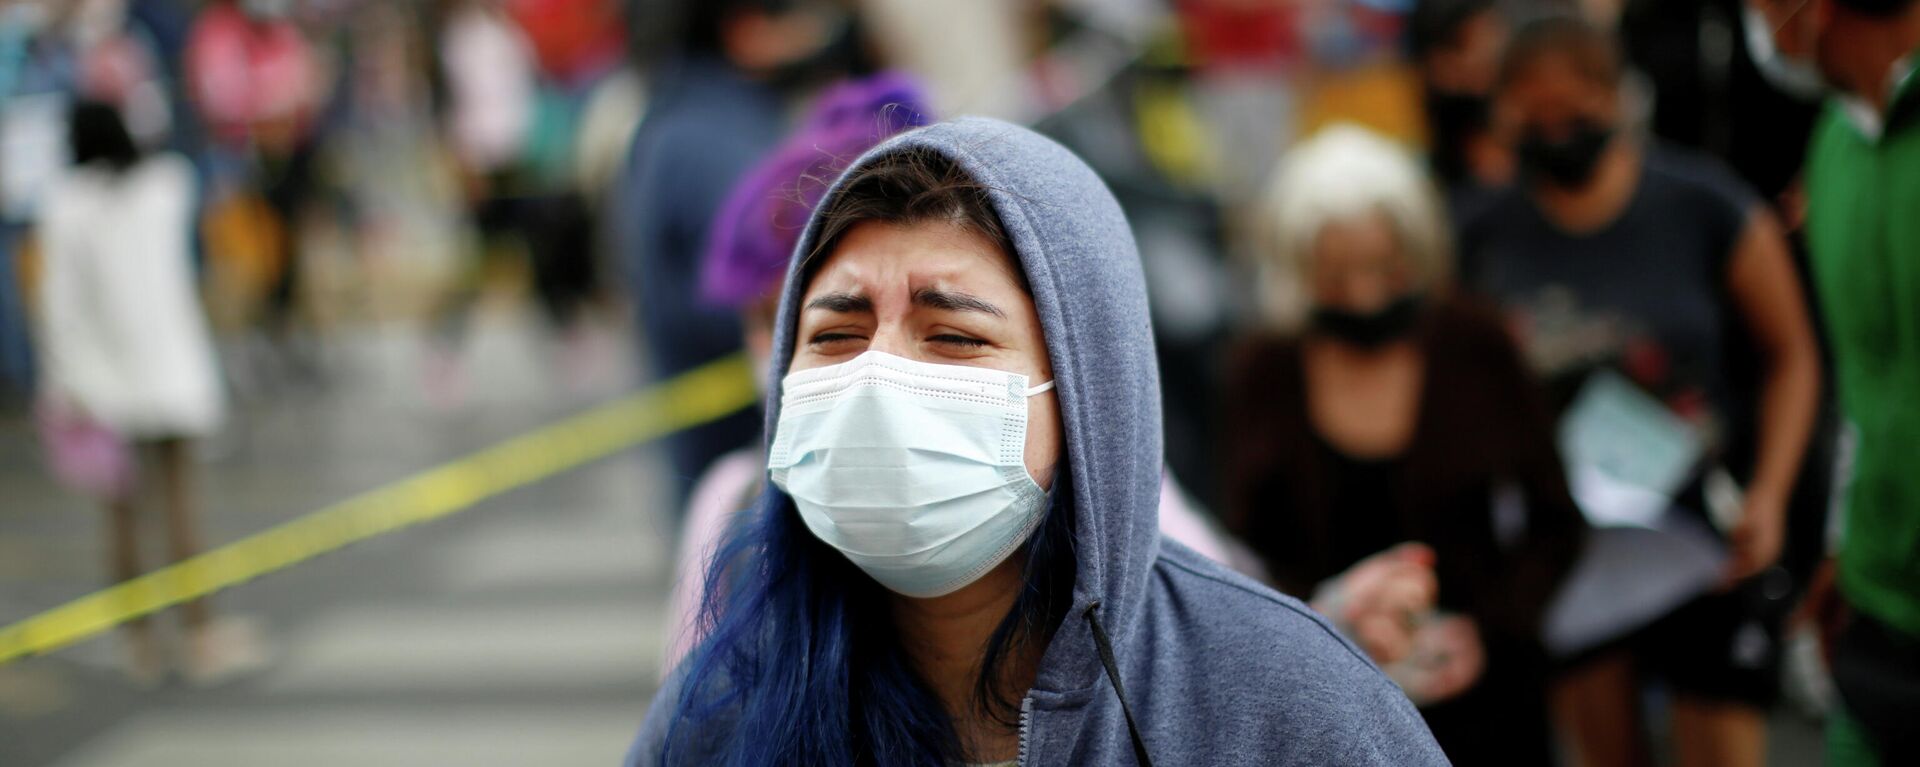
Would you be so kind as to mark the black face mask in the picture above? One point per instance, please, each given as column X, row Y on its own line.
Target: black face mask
column 1457, row 112
column 1369, row 330
column 1569, row 162
column 1454, row 118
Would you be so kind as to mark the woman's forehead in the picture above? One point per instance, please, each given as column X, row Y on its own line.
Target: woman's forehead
column 887, row 257
column 1556, row 76
column 1370, row 233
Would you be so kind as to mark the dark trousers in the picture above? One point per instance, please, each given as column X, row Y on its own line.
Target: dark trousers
column 1876, row 669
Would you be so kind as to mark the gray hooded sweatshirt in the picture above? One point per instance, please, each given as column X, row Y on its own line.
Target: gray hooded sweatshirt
column 1217, row 668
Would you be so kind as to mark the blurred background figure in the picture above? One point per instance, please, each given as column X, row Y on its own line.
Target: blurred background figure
column 487, row 68
column 1393, row 411
column 40, row 47
column 1862, row 184
column 1721, row 85
column 718, row 101
column 129, row 362
column 260, row 89
column 974, row 56
column 1614, row 252
column 1457, row 46
column 517, row 82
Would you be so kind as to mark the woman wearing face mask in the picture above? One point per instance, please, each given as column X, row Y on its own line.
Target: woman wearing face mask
column 751, row 240
column 1397, row 414
column 957, row 561
column 1617, row 253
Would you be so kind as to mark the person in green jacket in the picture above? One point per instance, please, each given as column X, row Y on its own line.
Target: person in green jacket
column 1863, row 233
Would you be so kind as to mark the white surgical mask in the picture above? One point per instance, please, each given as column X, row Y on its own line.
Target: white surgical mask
column 913, row 470
column 1797, row 77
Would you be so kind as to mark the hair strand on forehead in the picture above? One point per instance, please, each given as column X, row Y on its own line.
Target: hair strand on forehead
column 912, row 186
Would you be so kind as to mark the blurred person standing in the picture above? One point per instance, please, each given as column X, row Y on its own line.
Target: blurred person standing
column 1456, row 44
column 1395, row 412
column 486, row 70
column 126, row 349
column 514, row 82
column 579, row 46
column 717, row 105
column 1863, row 191
column 255, row 80
column 50, row 51
column 976, row 57
column 36, row 74
column 259, row 86
column 487, row 64
column 1614, row 251
column 1720, row 85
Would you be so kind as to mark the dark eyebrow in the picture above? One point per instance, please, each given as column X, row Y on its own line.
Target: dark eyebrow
column 935, row 298
column 843, row 303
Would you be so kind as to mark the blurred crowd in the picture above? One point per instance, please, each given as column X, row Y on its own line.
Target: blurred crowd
column 1561, row 353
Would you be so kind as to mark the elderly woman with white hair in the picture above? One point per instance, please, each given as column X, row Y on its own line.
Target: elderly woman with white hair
column 1383, row 426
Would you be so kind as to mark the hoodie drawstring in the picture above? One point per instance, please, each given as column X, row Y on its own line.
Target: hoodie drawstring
column 1113, row 675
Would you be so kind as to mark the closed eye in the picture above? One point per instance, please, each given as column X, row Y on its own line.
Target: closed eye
column 827, row 338
column 957, row 340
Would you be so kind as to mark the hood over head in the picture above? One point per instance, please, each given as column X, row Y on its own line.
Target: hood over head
column 1077, row 252
column 1217, row 669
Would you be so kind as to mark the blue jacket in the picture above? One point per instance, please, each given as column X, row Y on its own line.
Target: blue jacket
column 1217, row 669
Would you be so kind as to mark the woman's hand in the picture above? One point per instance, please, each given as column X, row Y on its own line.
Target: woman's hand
column 1447, row 660
column 1379, row 600
column 1766, row 289
column 1754, row 542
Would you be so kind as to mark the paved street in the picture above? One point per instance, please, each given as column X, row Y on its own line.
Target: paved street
column 526, row 630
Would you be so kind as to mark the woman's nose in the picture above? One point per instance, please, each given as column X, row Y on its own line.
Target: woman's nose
column 893, row 340
column 1366, row 290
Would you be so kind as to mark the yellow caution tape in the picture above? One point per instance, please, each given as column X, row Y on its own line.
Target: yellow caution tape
column 696, row 397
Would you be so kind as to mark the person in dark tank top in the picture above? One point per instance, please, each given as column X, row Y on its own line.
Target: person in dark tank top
column 1614, row 252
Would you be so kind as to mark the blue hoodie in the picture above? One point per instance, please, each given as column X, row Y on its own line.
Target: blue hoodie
column 1217, row 669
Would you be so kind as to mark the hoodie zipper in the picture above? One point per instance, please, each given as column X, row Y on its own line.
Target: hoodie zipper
column 1026, row 729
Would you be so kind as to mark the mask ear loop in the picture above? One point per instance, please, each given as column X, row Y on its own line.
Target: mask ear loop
column 1041, row 389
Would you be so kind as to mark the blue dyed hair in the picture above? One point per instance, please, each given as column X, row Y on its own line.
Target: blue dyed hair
column 801, row 663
